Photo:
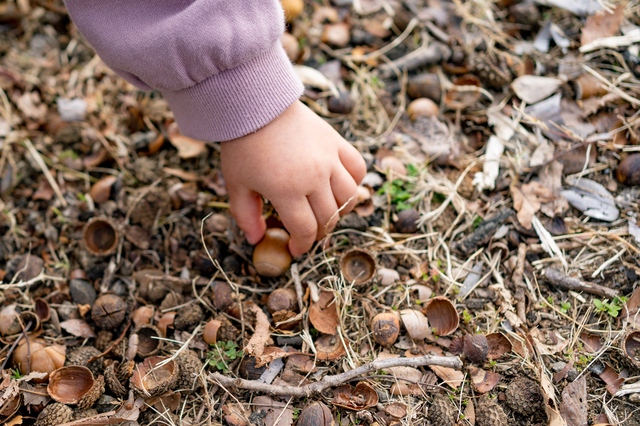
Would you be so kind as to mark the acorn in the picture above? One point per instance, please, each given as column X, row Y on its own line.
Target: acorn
column 476, row 348
column 422, row 107
column 442, row 412
column 271, row 256
column 358, row 266
column 316, row 414
column 425, row 86
column 628, row 171
column 101, row 190
column 149, row 342
column 386, row 328
column 291, row 46
column 407, row 222
column 292, row 8
column 142, row 315
column 188, row 317
column 114, row 385
column 329, row 347
column 248, row 369
column 80, row 356
column 44, row 358
column 282, row 299
column 109, row 311
column 190, row 369
column 163, row 378
column 442, row 315
column 54, row 414
column 75, row 385
column 525, row 396
column 489, row 413
column 342, row 104
column 100, row 236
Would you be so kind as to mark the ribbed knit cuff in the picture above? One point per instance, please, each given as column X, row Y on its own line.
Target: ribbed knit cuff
column 238, row 101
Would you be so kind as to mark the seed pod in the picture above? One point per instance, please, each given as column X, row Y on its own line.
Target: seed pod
column 100, row 236
column 442, row 315
column 109, row 311
column 291, row 46
column 358, row 266
column 316, row 414
column 44, row 359
column 271, row 256
column 75, row 385
column 386, row 328
column 628, row 171
column 330, row 347
column 142, row 315
column 292, row 8
column 163, row 378
column 165, row 321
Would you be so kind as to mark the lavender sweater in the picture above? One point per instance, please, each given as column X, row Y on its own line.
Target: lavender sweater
column 218, row 63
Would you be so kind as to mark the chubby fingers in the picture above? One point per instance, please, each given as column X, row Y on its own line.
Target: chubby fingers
column 353, row 162
column 299, row 219
column 344, row 190
column 246, row 208
column 325, row 209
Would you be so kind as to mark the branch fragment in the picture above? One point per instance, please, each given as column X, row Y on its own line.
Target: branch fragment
column 563, row 282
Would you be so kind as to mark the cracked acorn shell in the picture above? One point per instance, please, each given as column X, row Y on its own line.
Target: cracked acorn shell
column 149, row 343
column 54, row 414
column 80, row 357
column 190, row 368
column 75, row 385
column 489, row 413
column 316, row 414
column 524, row 396
column 188, row 317
column 150, row 379
column 113, row 384
column 442, row 412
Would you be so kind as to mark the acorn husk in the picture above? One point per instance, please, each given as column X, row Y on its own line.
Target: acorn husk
column 75, row 385
column 442, row 315
column 190, row 369
column 54, row 414
column 101, row 236
column 113, row 383
column 149, row 379
column 631, row 347
column 149, row 343
column 358, row 266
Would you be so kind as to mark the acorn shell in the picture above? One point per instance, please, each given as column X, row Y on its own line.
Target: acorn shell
column 358, row 266
column 75, row 385
column 111, row 379
column 151, row 379
column 442, row 315
column 54, row 414
column 101, row 236
column 149, row 343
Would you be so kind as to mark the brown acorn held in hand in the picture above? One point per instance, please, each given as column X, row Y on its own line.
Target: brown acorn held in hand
column 316, row 414
column 386, row 328
column 271, row 256
column 629, row 170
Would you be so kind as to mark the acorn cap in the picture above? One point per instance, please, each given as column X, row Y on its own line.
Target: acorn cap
column 101, row 236
column 631, row 347
column 524, row 396
column 124, row 370
column 54, row 414
column 358, row 266
column 111, row 379
column 329, row 347
column 190, row 369
column 148, row 340
column 442, row 412
column 188, row 317
column 80, row 356
column 75, row 385
column 104, row 339
column 489, row 413
column 151, row 379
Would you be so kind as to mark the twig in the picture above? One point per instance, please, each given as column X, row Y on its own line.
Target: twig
column 329, row 381
column 424, row 55
column 47, row 174
column 518, row 280
column 563, row 282
column 13, row 346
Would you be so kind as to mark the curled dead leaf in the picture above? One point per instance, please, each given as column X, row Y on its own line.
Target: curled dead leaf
column 483, row 381
column 323, row 314
column 362, row 397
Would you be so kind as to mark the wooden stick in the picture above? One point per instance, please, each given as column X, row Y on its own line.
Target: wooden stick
column 338, row 379
column 563, row 282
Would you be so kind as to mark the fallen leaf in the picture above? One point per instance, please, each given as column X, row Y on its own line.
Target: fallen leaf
column 128, row 412
column 573, row 406
column 44, row 191
column 186, row 146
column 602, row 24
column 182, row 174
column 323, row 314
column 257, row 342
column 277, row 413
column 591, row 198
column 470, row 414
column 612, row 379
column 533, row 88
column 451, row 377
column 31, row 106
column 550, row 403
column 78, row 328
column 498, row 345
column 483, row 381
column 592, row 343
column 360, row 398
column 527, row 201
column 396, row 410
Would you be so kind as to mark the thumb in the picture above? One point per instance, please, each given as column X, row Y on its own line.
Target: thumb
column 246, row 208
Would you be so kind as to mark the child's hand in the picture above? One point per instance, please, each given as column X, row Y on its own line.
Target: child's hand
column 302, row 166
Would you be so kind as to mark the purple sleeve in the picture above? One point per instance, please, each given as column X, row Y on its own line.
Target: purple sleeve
column 218, row 63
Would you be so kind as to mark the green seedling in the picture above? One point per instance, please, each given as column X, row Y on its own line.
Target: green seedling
column 612, row 308
column 564, row 307
column 222, row 354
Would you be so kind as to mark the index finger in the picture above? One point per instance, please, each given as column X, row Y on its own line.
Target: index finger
column 299, row 220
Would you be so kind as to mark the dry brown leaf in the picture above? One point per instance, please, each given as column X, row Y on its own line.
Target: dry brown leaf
column 470, row 414
column 186, row 146
column 34, row 394
column 612, row 379
column 483, row 381
column 323, row 314
column 602, row 24
column 550, row 176
column 573, row 407
column 550, row 403
column 256, row 344
column 274, row 410
column 78, row 328
column 528, row 199
column 451, row 377
column 360, row 398
column 182, row 174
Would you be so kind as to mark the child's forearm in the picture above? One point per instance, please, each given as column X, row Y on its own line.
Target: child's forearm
column 219, row 63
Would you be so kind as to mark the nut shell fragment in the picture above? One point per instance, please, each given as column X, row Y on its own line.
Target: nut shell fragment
column 442, row 315
column 149, row 342
column 101, row 236
column 358, row 266
column 75, row 385
column 329, row 347
column 54, row 414
column 151, row 379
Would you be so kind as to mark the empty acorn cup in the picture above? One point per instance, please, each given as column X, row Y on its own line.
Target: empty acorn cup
column 75, row 385
column 442, row 315
column 358, row 266
column 632, row 347
column 149, row 342
column 101, row 236
column 153, row 376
